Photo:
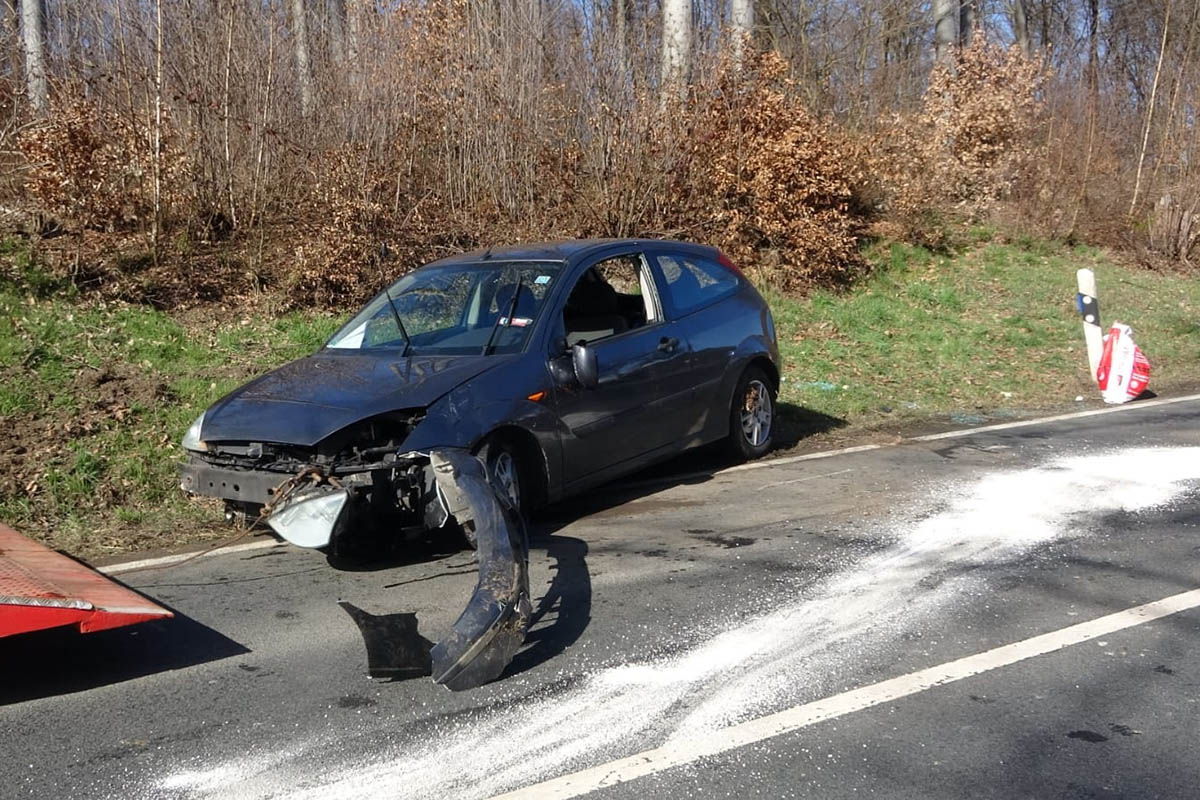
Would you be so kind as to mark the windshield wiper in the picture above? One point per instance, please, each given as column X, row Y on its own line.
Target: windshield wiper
column 512, row 305
column 399, row 324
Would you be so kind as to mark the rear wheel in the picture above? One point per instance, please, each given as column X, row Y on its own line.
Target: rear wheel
column 752, row 417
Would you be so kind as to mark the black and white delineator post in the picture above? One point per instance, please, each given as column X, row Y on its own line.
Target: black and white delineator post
column 1089, row 310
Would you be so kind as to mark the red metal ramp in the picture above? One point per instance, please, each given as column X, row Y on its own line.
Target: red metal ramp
column 40, row 588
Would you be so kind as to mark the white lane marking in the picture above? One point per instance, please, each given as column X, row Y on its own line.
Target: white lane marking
column 162, row 561
column 779, row 462
column 679, row 753
column 955, row 434
column 804, row 479
column 1095, row 412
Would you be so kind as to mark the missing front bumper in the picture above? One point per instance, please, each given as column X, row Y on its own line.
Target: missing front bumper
column 239, row 485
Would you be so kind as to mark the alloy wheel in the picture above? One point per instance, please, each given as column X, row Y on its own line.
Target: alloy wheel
column 756, row 413
column 504, row 473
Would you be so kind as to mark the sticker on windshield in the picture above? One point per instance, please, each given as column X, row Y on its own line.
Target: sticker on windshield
column 515, row 322
column 541, row 280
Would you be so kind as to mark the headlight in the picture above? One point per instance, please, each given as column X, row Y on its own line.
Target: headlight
column 308, row 519
column 191, row 439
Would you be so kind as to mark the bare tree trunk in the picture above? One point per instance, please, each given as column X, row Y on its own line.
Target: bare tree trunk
column 621, row 71
column 14, row 55
column 1020, row 24
column 676, row 46
column 1093, row 47
column 335, row 14
column 967, row 18
column 945, row 28
column 156, row 231
column 301, row 52
column 33, row 35
column 232, row 11
column 1162, row 49
column 354, row 12
column 741, row 26
column 1093, row 79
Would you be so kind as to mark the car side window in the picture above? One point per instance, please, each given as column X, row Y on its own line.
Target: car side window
column 613, row 296
column 692, row 282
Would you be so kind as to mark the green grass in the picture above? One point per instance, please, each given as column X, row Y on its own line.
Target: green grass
column 98, row 474
column 992, row 329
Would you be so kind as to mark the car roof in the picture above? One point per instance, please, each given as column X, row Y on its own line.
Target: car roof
column 562, row 250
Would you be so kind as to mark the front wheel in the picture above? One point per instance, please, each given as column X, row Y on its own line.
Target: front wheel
column 752, row 417
column 503, row 470
column 506, row 473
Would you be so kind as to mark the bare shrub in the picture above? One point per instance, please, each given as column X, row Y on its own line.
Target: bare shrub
column 975, row 141
column 92, row 168
column 763, row 174
column 1175, row 228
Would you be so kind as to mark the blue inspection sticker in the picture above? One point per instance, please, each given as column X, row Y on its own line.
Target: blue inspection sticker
column 541, row 280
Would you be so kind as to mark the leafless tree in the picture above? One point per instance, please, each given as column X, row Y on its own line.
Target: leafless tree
column 968, row 20
column 741, row 25
column 945, row 28
column 33, row 36
column 300, row 50
column 676, row 46
column 1020, row 27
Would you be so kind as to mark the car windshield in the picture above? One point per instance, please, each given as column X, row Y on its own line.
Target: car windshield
column 456, row 309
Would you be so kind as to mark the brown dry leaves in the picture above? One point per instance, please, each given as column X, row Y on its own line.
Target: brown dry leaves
column 766, row 175
column 974, row 141
column 93, row 168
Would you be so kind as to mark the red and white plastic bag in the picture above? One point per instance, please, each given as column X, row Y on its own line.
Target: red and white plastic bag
column 1123, row 372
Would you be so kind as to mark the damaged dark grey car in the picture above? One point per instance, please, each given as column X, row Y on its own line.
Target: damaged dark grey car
column 560, row 366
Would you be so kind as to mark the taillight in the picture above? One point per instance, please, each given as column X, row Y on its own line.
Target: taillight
column 726, row 262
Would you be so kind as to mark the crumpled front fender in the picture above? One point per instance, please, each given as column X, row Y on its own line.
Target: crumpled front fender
column 490, row 631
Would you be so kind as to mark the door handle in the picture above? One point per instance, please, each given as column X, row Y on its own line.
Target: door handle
column 667, row 344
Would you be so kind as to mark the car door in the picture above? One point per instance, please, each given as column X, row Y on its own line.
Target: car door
column 694, row 289
column 639, row 354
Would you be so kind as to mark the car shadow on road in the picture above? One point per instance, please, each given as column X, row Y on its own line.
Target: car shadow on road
column 564, row 611
column 797, row 423
column 62, row 660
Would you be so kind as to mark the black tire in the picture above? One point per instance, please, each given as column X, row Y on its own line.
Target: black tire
column 752, row 411
column 502, row 459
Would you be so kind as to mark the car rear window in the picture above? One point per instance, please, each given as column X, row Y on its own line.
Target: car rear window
column 693, row 282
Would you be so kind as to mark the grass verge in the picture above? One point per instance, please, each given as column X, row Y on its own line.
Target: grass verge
column 95, row 396
column 990, row 329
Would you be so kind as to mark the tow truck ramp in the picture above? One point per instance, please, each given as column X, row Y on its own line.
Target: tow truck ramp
column 41, row 589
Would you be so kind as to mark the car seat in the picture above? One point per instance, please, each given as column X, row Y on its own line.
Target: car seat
column 526, row 305
column 593, row 311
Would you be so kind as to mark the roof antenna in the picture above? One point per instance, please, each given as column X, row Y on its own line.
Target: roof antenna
column 487, row 253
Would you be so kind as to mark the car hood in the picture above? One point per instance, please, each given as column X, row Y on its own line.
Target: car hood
column 303, row 402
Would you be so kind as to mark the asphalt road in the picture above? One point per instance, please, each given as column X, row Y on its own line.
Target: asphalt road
column 672, row 617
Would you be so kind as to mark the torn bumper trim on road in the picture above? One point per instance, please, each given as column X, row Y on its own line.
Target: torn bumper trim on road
column 490, row 631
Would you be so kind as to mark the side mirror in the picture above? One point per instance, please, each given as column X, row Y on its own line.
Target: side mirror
column 583, row 358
